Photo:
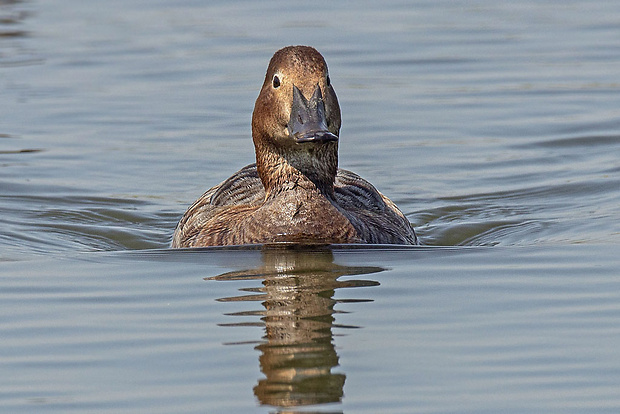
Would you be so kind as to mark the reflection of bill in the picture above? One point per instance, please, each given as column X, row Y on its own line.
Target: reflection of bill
column 298, row 353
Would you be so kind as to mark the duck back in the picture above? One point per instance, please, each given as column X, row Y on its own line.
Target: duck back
column 238, row 212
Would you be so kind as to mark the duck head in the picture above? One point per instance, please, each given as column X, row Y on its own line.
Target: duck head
column 296, row 121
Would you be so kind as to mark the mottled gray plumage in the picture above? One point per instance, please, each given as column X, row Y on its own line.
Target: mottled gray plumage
column 373, row 215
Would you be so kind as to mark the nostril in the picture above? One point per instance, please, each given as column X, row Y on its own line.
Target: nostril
column 301, row 121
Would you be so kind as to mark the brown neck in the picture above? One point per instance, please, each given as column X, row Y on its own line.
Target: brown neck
column 312, row 168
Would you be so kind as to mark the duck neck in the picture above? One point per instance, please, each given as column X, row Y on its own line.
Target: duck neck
column 312, row 169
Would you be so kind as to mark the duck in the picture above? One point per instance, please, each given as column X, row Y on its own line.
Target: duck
column 295, row 192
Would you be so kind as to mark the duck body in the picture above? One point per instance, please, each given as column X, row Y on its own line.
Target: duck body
column 295, row 192
column 238, row 212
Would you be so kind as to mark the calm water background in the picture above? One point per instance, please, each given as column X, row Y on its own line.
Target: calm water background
column 493, row 125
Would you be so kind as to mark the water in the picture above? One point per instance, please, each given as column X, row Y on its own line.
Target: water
column 493, row 125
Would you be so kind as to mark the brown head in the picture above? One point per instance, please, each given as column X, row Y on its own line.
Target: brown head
column 296, row 121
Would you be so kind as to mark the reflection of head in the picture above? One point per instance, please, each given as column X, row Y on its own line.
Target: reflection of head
column 298, row 355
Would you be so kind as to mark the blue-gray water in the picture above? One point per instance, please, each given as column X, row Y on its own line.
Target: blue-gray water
column 494, row 126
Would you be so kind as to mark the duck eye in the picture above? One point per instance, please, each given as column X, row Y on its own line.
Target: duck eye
column 276, row 81
column 329, row 82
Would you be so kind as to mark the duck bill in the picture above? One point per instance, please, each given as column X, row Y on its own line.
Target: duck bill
column 308, row 122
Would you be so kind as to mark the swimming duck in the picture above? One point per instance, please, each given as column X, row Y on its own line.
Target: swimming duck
column 295, row 192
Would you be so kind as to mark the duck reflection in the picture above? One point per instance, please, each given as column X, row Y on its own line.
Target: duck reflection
column 297, row 351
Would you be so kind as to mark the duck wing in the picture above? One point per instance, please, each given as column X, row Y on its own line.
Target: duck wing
column 242, row 188
column 376, row 217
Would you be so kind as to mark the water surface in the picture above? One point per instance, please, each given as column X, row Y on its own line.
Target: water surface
column 493, row 125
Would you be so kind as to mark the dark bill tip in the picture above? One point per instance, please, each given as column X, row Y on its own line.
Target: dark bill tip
column 316, row 136
column 307, row 121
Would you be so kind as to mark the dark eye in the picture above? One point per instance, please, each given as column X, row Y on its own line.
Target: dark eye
column 329, row 82
column 276, row 81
